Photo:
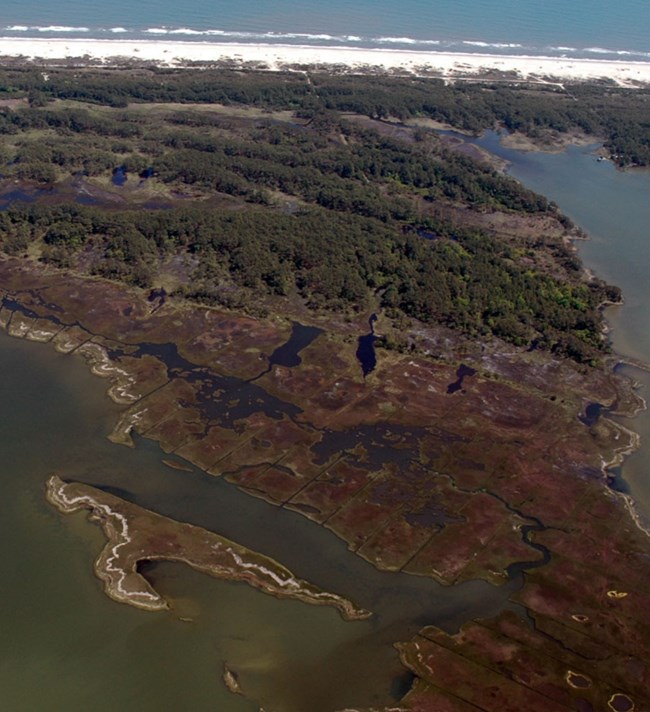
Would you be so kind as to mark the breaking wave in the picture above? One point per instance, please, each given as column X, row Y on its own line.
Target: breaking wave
column 45, row 28
column 221, row 35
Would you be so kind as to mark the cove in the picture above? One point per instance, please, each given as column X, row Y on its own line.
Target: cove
column 612, row 207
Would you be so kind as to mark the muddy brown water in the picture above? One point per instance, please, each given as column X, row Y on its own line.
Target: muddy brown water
column 67, row 646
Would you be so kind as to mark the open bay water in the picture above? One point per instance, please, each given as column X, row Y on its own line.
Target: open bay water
column 582, row 28
column 64, row 646
column 613, row 207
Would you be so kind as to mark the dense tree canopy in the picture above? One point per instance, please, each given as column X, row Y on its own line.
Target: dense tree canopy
column 311, row 204
column 616, row 115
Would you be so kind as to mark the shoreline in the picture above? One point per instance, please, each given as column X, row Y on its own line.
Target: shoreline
column 134, row 534
column 448, row 65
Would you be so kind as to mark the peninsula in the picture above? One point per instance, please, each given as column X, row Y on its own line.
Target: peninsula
column 135, row 535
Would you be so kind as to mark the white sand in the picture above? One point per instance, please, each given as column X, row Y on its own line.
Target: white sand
column 451, row 65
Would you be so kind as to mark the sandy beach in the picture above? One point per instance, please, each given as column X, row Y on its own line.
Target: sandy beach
column 273, row 56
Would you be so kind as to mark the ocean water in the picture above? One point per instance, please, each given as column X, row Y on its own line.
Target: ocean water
column 582, row 28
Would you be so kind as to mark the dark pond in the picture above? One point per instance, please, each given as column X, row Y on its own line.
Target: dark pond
column 18, row 195
column 592, row 414
column 288, row 354
column 119, row 176
column 621, row 703
column 462, row 373
column 366, row 349
column 427, row 234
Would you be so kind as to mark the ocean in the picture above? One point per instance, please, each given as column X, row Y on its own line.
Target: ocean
column 582, row 28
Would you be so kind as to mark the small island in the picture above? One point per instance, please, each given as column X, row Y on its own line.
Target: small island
column 135, row 535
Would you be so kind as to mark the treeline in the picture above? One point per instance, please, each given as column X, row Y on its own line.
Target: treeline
column 463, row 278
column 615, row 115
column 117, row 88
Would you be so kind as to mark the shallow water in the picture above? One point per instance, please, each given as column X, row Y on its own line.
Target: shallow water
column 67, row 645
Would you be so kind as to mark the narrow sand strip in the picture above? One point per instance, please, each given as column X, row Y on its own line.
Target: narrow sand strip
column 272, row 56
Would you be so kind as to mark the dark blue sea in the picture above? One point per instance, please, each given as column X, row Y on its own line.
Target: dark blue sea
column 581, row 28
